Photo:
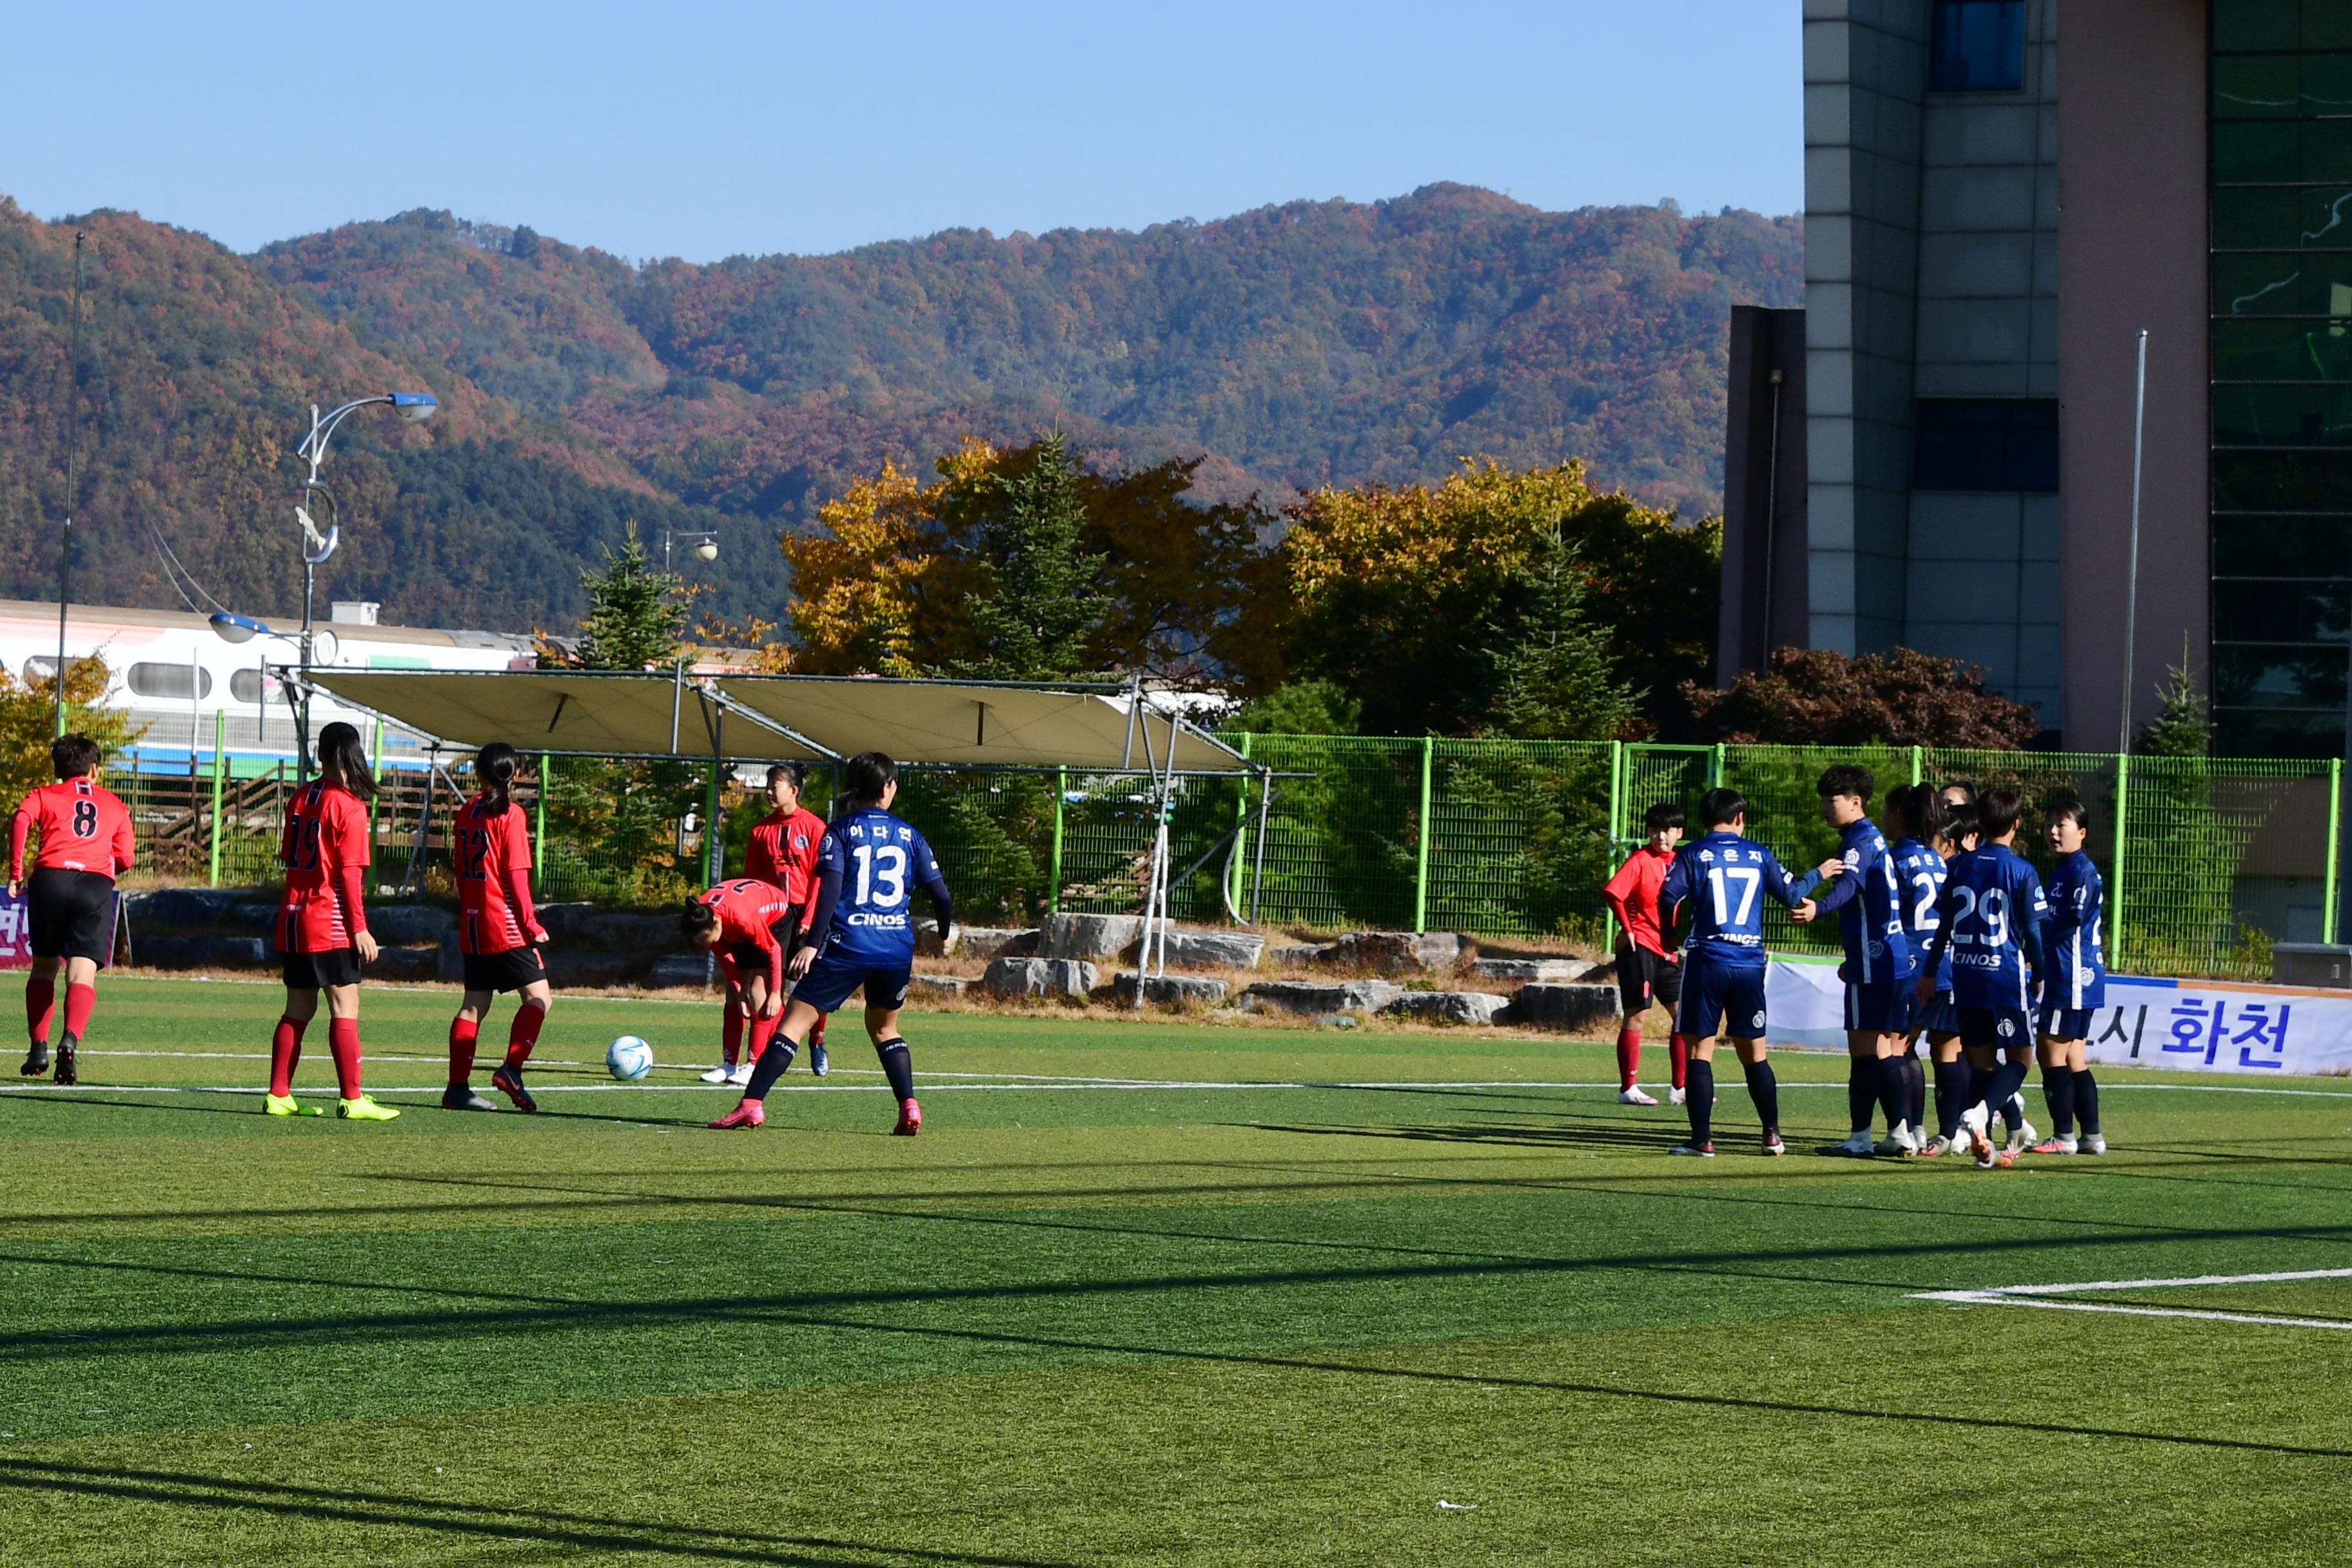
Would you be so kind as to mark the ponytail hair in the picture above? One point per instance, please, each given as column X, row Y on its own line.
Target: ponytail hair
column 343, row 761
column 495, row 766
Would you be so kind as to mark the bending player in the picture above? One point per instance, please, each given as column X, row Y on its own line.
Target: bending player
column 783, row 851
column 2073, row 985
column 498, row 934
column 86, row 843
column 1878, row 964
column 863, row 936
column 1646, row 972
column 747, row 925
column 1719, row 878
column 322, row 925
column 1989, row 916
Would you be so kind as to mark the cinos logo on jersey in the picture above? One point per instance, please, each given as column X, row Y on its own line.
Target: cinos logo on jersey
column 885, row 922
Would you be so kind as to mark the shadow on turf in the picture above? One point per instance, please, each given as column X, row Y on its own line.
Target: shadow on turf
column 392, row 1510
column 1557, row 1133
column 234, row 1104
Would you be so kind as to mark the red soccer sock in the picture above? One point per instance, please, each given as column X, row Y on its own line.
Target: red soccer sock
column 40, row 1001
column 730, row 1033
column 344, row 1041
column 463, row 1033
column 1629, row 1055
column 79, row 1000
column 285, row 1050
column 1678, row 1053
column 762, row 1031
column 523, row 1032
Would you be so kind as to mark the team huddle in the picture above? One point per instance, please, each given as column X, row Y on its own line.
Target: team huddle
column 1949, row 937
column 823, row 912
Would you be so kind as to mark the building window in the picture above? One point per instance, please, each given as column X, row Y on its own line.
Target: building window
column 173, row 683
column 1986, row 444
column 246, row 685
column 1977, row 46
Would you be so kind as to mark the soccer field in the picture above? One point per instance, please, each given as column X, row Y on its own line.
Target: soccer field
column 1146, row 1293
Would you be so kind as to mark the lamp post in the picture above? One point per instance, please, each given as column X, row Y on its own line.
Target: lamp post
column 706, row 546
column 318, row 544
column 73, row 457
column 235, row 628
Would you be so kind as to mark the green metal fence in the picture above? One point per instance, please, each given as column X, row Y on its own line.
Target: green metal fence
column 2208, row 862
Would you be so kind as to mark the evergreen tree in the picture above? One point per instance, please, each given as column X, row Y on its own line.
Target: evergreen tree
column 636, row 616
column 1553, row 676
column 1040, row 599
column 2183, row 725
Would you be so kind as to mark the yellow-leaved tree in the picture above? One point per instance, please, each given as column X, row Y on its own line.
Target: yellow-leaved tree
column 856, row 581
column 28, row 724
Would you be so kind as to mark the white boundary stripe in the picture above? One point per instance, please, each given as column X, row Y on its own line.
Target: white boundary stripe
column 2046, row 1296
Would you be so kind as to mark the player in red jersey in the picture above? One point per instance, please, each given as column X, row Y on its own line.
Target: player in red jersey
column 1646, row 972
column 322, row 925
column 783, row 851
column 85, row 845
column 498, row 932
column 747, row 925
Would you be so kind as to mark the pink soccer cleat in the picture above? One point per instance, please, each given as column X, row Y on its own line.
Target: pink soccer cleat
column 747, row 1113
column 910, row 1118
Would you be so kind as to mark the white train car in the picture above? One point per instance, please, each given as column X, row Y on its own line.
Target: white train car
column 191, row 688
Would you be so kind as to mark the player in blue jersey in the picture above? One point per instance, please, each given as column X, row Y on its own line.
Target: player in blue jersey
column 1989, row 918
column 1878, row 964
column 1722, row 879
column 861, row 935
column 1913, row 816
column 2074, row 983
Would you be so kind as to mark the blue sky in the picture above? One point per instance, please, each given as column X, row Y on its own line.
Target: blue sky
column 708, row 130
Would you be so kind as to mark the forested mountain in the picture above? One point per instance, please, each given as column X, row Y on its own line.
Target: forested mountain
column 1292, row 345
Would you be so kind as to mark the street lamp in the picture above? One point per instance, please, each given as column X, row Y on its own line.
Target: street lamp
column 706, row 545
column 232, row 627
column 319, row 543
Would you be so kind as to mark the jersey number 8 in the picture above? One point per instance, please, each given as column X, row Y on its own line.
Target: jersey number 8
column 85, row 819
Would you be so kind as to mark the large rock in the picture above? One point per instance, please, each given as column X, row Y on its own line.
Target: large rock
column 1039, row 977
column 1538, row 971
column 408, row 963
column 996, row 942
column 202, row 951
column 1449, row 1006
column 399, row 924
column 673, row 970
column 1088, row 936
column 187, row 908
column 1213, row 949
column 626, row 933
column 939, row 987
column 1312, row 998
column 560, row 919
column 568, row 967
column 1574, row 1009
column 1296, row 955
column 1169, row 990
column 1397, row 952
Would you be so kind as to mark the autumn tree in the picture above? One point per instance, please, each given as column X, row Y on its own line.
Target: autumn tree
column 28, row 724
column 1818, row 697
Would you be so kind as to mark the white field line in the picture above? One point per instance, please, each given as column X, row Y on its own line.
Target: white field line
column 2048, row 1296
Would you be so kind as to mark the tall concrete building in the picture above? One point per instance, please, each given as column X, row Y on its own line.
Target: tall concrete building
column 1987, row 235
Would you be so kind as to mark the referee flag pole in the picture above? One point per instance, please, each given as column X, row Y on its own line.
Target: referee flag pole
column 2131, row 590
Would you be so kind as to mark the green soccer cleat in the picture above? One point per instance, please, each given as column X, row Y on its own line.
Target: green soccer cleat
column 287, row 1105
column 363, row 1109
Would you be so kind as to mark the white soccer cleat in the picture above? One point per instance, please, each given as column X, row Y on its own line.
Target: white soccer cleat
column 2021, row 1137
column 2093, row 1144
column 1937, row 1147
column 1900, row 1140
column 1634, row 1097
column 1856, row 1143
column 1676, row 1096
column 739, row 1074
column 1974, row 1119
column 717, row 1075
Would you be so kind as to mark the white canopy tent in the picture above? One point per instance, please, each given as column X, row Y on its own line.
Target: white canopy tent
column 1080, row 727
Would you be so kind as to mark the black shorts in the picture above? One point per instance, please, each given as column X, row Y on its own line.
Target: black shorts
column 317, row 971
column 1645, row 977
column 72, row 914
column 750, row 959
column 509, row 971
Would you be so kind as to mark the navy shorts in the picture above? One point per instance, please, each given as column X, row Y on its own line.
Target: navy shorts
column 1880, row 1005
column 2066, row 1023
column 1939, row 1018
column 830, row 982
column 1721, row 999
column 2001, row 1029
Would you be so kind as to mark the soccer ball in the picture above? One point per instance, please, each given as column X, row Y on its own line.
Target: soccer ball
column 629, row 1059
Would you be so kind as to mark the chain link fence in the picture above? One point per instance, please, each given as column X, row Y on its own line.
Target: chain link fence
column 2208, row 862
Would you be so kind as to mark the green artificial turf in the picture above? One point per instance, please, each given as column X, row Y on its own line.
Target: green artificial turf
column 1150, row 1292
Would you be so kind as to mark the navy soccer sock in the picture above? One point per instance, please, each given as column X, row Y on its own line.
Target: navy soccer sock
column 1861, row 1092
column 772, row 1066
column 1915, row 1092
column 1951, row 1095
column 2007, row 1080
column 1893, row 1090
column 2086, row 1099
column 1698, row 1099
column 1765, row 1090
column 2058, row 1093
column 898, row 1066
